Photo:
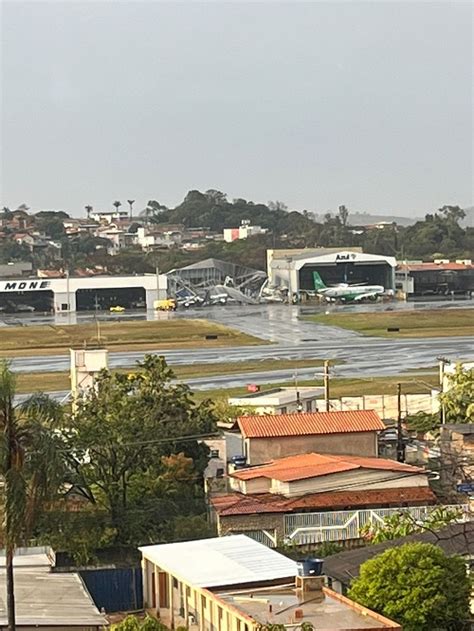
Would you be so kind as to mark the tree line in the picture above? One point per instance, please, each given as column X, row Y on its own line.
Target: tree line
column 438, row 235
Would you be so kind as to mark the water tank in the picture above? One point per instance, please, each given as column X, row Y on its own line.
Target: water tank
column 239, row 462
column 310, row 567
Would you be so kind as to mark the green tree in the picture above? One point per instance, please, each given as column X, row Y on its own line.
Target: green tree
column 422, row 422
column 418, row 586
column 132, row 623
column 31, row 465
column 402, row 524
column 136, row 450
column 458, row 400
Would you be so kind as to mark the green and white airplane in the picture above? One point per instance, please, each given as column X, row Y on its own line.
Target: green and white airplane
column 345, row 292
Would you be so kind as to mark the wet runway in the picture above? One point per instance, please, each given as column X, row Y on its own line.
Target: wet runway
column 292, row 338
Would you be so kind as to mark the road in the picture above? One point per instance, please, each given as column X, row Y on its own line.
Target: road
column 292, row 338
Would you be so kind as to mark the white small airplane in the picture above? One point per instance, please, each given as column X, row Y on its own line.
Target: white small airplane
column 345, row 292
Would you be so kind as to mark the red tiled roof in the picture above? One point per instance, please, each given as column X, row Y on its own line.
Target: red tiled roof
column 306, row 466
column 308, row 424
column 238, row 504
column 429, row 267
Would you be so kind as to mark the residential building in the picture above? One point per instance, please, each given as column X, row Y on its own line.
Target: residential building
column 313, row 497
column 157, row 235
column 108, row 216
column 236, row 584
column 280, row 400
column 274, row 436
column 16, row 269
column 46, row 600
column 244, row 231
column 343, row 567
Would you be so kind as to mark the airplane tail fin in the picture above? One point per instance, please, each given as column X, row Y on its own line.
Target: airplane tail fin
column 318, row 281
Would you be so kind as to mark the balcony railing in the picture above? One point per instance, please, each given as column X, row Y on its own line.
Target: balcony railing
column 308, row 528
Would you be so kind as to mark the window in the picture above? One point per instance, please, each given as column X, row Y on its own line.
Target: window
column 309, row 406
column 219, row 473
column 282, row 411
column 214, row 453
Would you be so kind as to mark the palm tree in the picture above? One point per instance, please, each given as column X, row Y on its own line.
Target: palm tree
column 131, row 202
column 89, row 209
column 31, row 463
column 117, row 205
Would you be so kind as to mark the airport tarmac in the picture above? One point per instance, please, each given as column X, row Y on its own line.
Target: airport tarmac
column 292, row 338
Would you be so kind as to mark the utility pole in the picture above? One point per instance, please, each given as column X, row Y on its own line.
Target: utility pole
column 326, row 384
column 9, row 542
column 400, row 445
column 442, row 363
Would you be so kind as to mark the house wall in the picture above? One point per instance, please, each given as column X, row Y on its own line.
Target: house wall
column 274, row 523
column 359, row 479
column 184, row 605
column 261, row 450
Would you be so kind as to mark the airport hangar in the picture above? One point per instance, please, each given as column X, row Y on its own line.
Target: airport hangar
column 294, row 268
column 69, row 294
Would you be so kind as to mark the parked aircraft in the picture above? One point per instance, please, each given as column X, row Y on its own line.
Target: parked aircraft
column 345, row 292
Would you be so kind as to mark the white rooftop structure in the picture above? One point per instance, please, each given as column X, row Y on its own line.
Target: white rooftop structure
column 280, row 400
column 221, row 561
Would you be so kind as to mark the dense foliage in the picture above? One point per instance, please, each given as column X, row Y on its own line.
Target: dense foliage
column 416, row 585
column 438, row 235
column 403, row 524
column 125, row 467
column 458, row 400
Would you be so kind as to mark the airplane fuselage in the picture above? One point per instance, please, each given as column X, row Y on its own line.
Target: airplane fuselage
column 352, row 293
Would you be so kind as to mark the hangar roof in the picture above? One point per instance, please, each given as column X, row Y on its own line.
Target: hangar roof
column 301, row 259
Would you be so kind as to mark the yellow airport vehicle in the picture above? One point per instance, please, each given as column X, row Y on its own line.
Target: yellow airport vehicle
column 169, row 304
column 117, row 309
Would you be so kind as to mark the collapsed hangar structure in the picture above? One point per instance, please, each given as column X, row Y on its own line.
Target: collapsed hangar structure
column 213, row 280
column 292, row 270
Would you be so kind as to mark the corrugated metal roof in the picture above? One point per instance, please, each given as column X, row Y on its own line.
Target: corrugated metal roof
column 44, row 598
column 306, row 466
column 221, row 561
column 307, row 424
column 238, row 504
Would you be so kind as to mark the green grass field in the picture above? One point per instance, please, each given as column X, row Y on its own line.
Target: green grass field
column 412, row 383
column 119, row 336
column 414, row 323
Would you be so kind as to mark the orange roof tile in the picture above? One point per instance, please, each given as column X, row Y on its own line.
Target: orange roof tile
column 307, row 424
column 306, row 466
column 238, row 504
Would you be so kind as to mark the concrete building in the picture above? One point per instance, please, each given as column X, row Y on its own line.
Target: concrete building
column 270, row 437
column 108, row 216
column 16, row 269
column 244, row 231
column 71, row 294
column 86, row 364
column 280, row 400
column 439, row 279
column 236, row 584
column 46, row 600
column 313, row 497
column 293, row 269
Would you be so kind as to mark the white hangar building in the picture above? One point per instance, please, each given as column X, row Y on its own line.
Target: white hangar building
column 294, row 269
column 89, row 293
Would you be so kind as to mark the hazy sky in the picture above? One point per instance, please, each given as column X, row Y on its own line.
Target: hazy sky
column 316, row 104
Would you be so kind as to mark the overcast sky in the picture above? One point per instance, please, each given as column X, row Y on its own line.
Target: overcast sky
column 316, row 104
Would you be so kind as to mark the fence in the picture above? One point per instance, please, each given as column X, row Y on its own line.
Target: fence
column 115, row 589
column 308, row 528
